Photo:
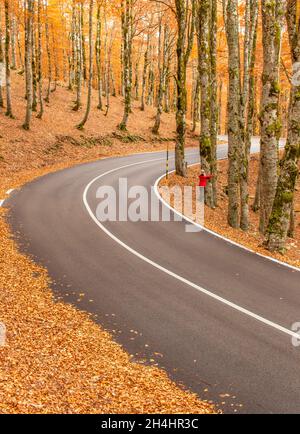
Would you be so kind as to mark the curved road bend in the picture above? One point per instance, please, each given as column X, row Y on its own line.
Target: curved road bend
column 220, row 352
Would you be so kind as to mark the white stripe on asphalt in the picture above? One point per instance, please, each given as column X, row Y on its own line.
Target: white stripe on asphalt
column 171, row 273
column 203, row 228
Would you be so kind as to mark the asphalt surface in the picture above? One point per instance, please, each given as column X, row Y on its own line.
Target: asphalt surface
column 243, row 364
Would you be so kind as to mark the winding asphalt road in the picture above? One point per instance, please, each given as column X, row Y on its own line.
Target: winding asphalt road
column 215, row 316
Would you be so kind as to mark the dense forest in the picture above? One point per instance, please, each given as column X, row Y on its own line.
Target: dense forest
column 222, row 67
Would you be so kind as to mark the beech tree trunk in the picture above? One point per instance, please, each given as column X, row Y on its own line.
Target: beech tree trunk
column 39, row 62
column 89, row 95
column 34, row 70
column 47, row 98
column 282, row 210
column 196, row 105
column 269, row 119
column 251, row 14
column 205, row 86
column 127, row 32
column 78, row 62
column 1, row 57
column 28, row 63
column 233, row 111
column 162, row 52
column 213, row 99
column 145, row 70
column 13, row 43
column 98, row 48
column 185, row 39
column 83, row 49
column 72, row 48
column 220, row 107
column 7, row 60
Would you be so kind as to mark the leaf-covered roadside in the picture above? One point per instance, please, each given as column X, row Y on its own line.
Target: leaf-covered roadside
column 58, row 360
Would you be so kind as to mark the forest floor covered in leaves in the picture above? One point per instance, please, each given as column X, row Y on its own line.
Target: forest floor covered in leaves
column 56, row 358
column 216, row 220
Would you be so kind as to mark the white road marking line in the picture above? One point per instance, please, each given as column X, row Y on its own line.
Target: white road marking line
column 171, row 273
column 277, row 261
column 10, row 191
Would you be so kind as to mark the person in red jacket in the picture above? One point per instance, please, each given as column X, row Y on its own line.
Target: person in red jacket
column 203, row 178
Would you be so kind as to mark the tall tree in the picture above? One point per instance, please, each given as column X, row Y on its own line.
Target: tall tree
column 185, row 17
column 162, row 53
column 283, row 204
column 28, row 63
column 206, row 94
column 7, row 60
column 47, row 31
column 233, row 109
column 213, row 98
column 83, row 49
column 196, row 101
column 78, row 54
column 1, row 57
column 13, row 42
column 89, row 96
column 145, row 67
column 247, row 105
column 127, row 35
column 34, row 68
column 98, row 47
column 39, row 60
column 269, row 119
column 72, row 49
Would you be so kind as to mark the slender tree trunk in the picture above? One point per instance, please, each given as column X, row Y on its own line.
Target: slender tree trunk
column 205, row 86
column 89, row 96
column 185, row 33
column 28, row 63
column 137, row 74
column 282, row 210
column 196, row 106
column 113, row 81
column 34, row 71
column 73, row 48
column 47, row 98
column 256, row 203
column 167, row 91
column 220, row 107
column 109, row 70
column 270, row 123
column 7, row 60
column 233, row 112
column 56, row 70
column 79, row 63
column 151, row 80
column 98, row 47
column 251, row 13
column 13, row 43
column 39, row 62
column 127, row 30
column 162, row 52
column 2, row 63
column 213, row 100
column 83, row 50
column 20, row 50
column 145, row 69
